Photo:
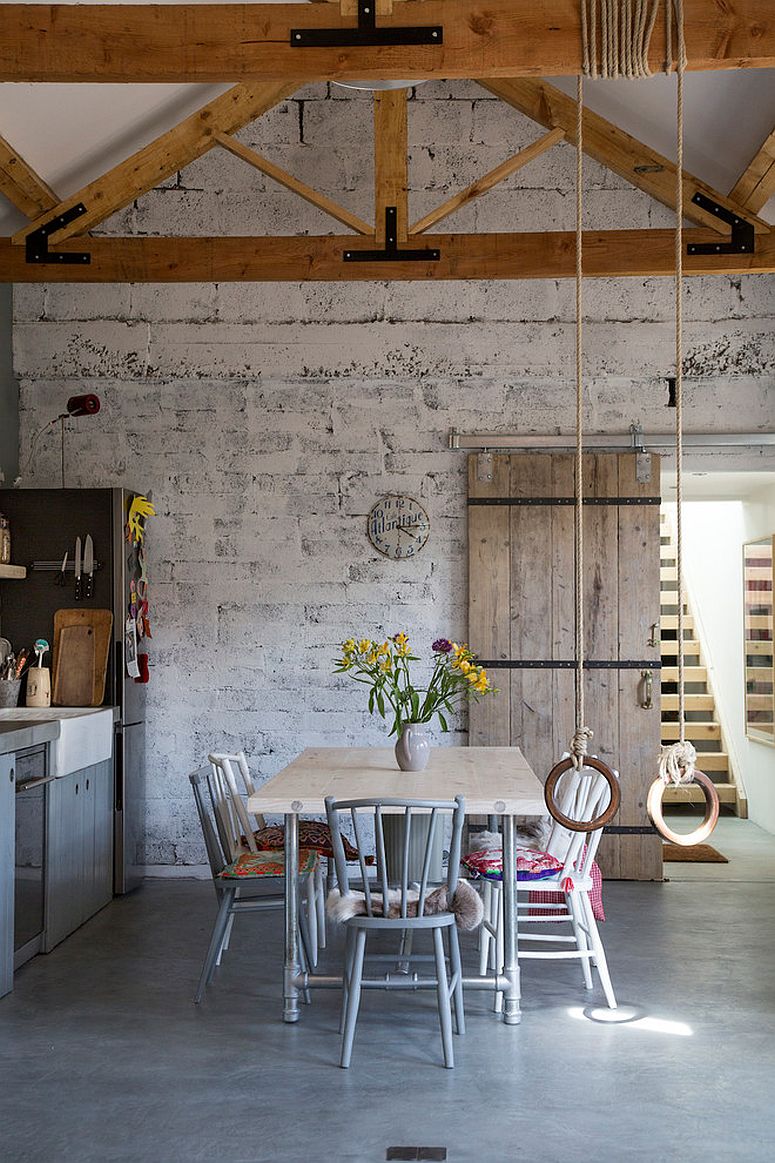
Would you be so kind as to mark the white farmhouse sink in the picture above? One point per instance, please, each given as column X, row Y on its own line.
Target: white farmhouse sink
column 85, row 734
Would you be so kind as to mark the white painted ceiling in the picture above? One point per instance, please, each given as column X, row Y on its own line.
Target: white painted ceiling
column 71, row 134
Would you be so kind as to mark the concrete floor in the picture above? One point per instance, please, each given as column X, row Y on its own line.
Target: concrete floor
column 103, row 1056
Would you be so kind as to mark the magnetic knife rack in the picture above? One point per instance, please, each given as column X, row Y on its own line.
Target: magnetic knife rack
column 56, row 567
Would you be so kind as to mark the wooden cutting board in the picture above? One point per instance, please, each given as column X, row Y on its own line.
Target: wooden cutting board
column 81, row 649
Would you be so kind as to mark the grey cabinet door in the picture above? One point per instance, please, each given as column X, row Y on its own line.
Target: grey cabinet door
column 98, row 851
column 64, row 864
column 79, row 865
column 7, row 833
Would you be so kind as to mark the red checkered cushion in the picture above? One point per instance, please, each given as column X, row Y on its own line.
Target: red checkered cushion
column 538, row 897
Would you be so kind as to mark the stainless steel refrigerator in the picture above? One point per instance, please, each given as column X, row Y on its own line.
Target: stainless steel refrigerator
column 44, row 525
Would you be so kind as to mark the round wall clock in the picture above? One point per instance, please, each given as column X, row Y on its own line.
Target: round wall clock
column 398, row 527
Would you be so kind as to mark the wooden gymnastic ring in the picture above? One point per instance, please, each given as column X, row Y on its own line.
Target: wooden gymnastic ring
column 685, row 839
column 600, row 821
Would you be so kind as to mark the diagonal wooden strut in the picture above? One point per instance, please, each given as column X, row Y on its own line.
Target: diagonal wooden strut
column 234, row 146
column 488, row 180
column 168, row 153
column 618, row 151
column 756, row 184
column 21, row 185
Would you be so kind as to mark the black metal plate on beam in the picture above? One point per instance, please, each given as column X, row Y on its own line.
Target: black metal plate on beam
column 364, row 38
column 743, row 240
column 564, row 500
column 366, row 35
column 36, row 246
column 568, row 664
column 391, row 253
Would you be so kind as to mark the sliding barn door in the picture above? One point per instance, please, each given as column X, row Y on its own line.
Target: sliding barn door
column 521, row 622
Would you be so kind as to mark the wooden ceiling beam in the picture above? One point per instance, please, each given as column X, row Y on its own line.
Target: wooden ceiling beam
column 21, row 185
column 168, row 153
column 756, row 184
column 391, row 161
column 232, row 42
column 616, row 253
column 489, row 180
column 618, row 151
column 253, row 158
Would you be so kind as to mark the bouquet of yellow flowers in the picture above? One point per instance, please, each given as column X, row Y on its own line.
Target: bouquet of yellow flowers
column 385, row 668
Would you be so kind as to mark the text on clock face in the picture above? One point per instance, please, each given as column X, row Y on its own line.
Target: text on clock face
column 382, row 524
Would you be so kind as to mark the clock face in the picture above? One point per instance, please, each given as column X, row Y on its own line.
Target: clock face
column 398, row 527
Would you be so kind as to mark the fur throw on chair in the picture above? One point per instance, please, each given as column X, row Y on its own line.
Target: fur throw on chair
column 531, row 832
column 466, row 905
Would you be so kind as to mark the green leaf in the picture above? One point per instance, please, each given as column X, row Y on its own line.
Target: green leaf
column 443, row 722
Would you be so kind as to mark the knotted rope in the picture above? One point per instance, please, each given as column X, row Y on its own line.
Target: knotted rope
column 623, row 29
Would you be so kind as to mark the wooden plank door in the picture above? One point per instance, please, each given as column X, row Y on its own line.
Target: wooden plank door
column 522, row 622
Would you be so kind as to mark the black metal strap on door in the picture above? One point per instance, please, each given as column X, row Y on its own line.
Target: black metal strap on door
column 631, row 830
column 569, row 664
column 564, row 501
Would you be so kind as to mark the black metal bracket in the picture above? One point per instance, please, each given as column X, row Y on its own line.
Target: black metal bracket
column 743, row 240
column 366, row 34
column 391, row 253
column 36, row 249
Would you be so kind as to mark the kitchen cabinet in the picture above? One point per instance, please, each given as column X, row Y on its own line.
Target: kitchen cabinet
column 79, row 863
column 7, row 841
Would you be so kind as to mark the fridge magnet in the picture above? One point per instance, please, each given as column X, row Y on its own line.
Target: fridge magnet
column 139, row 511
column 130, row 648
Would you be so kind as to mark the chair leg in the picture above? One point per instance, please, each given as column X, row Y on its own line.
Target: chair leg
column 353, row 997
column 498, row 945
column 226, row 939
column 579, row 932
column 442, row 997
column 456, row 965
column 599, row 951
column 216, row 942
column 349, row 944
column 311, row 909
column 485, row 936
column 320, row 901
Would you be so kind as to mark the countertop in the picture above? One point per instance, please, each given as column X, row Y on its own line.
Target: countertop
column 80, row 735
column 16, row 734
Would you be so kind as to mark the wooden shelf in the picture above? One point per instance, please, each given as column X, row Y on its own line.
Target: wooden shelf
column 13, row 571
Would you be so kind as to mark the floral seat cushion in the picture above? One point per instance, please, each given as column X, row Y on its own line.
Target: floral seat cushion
column 252, row 864
column 531, row 865
column 312, row 834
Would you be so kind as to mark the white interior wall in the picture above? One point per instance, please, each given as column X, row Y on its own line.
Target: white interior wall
column 713, row 536
column 267, row 419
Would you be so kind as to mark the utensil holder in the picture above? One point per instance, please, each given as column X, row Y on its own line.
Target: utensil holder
column 9, row 692
column 38, row 687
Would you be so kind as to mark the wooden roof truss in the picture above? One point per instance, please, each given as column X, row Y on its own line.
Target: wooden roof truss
column 51, row 246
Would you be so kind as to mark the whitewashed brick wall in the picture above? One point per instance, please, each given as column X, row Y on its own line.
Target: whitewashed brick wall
column 266, row 419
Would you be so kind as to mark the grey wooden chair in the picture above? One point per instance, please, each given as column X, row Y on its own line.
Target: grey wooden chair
column 407, row 911
column 234, row 878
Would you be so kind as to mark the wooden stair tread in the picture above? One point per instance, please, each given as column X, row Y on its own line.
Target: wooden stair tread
column 691, row 793
column 693, row 731
column 691, row 674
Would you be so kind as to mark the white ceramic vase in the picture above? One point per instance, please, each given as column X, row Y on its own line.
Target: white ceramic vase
column 413, row 747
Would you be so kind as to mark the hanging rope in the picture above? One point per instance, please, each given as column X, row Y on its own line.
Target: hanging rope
column 582, row 734
column 676, row 762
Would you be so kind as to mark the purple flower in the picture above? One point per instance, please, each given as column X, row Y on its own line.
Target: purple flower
column 442, row 646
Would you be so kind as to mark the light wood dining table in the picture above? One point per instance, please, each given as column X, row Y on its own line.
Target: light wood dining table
column 495, row 781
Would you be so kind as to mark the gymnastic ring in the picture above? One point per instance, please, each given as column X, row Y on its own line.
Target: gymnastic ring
column 600, row 821
column 684, row 839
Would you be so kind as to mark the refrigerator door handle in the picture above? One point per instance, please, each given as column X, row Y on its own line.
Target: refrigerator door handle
column 119, row 673
column 118, row 772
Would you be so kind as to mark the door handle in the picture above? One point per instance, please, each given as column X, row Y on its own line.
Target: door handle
column 647, row 702
column 652, row 639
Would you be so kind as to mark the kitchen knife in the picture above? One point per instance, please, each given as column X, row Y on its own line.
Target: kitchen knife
column 77, row 569
column 88, row 566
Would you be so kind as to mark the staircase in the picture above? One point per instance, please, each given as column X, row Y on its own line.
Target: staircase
column 702, row 726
